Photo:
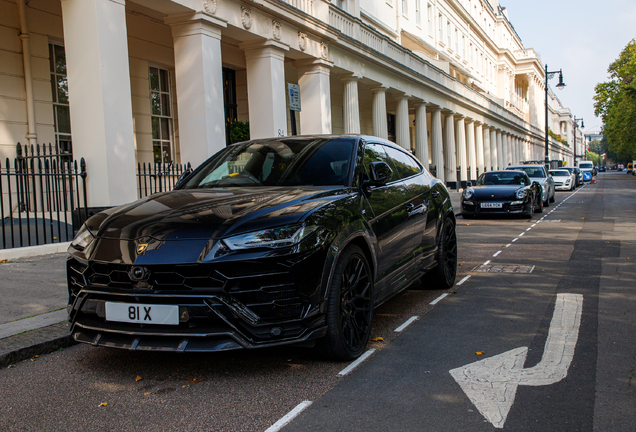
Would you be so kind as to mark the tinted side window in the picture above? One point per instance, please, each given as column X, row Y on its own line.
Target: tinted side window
column 376, row 153
column 405, row 164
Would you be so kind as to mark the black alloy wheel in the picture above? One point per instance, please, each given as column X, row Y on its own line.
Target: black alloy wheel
column 538, row 204
column 349, row 307
column 530, row 212
column 443, row 275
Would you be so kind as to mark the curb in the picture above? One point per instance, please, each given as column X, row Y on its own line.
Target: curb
column 37, row 342
column 31, row 251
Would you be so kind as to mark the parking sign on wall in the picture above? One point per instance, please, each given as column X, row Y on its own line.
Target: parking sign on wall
column 293, row 93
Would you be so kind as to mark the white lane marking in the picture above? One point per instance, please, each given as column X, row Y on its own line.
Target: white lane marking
column 534, row 225
column 520, row 235
column 509, row 244
column 487, row 262
column 407, row 323
column 529, row 229
column 491, row 383
column 514, row 240
column 463, row 280
column 438, row 299
column 287, row 418
column 356, row 363
column 498, row 252
column 532, row 269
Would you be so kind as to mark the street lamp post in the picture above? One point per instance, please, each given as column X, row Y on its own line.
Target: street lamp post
column 576, row 124
column 560, row 85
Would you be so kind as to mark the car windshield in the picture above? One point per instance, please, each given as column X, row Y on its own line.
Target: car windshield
column 585, row 165
column 560, row 173
column 285, row 162
column 531, row 171
column 503, row 178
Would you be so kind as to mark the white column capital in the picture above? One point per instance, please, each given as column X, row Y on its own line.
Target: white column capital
column 349, row 78
column 195, row 23
column 313, row 66
column 378, row 89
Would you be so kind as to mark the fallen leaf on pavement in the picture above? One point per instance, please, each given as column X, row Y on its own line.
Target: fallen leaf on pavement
column 459, row 264
column 36, row 356
column 4, row 261
column 480, row 352
column 194, row 380
column 584, row 218
column 467, row 224
column 138, row 378
column 146, row 393
column 184, row 386
column 102, row 404
column 378, row 339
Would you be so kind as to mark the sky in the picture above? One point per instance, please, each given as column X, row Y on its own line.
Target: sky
column 581, row 37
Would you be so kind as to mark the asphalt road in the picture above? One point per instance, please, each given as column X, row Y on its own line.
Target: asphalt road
column 581, row 251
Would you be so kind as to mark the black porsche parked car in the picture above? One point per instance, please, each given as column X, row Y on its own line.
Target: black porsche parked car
column 278, row 241
column 502, row 192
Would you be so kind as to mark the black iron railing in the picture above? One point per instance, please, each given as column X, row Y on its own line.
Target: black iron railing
column 41, row 193
column 158, row 177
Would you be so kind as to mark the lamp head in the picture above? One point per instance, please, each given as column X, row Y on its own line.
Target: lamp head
column 561, row 84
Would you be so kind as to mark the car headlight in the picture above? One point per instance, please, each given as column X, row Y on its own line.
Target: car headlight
column 270, row 238
column 83, row 238
column 468, row 193
column 522, row 193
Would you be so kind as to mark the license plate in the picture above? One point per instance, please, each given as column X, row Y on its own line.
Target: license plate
column 491, row 205
column 142, row 313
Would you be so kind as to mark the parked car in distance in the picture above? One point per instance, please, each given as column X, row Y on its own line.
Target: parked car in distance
column 276, row 241
column 502, row 192
column 563, row 179
column 578, row 180
column 630, row 167
column 539, row 174
column 602, row 168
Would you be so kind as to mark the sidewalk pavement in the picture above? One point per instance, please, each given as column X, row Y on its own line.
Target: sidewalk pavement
column 33, row 299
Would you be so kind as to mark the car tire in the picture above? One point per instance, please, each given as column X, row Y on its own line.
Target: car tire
column 539, row 205
column 349, row 307
column 530, row 213
column 443, row 275
column 552, row 198
column 546, row 203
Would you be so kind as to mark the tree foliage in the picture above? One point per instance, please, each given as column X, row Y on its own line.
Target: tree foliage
column 615, row 103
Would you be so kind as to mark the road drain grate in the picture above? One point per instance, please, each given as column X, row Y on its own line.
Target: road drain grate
column 499, row 268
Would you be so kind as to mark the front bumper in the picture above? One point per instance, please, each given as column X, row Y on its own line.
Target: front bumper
column 473, row 208
column 225, row 306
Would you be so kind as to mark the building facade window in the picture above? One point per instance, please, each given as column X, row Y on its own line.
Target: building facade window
column 161, row 114
column 429, row 15
column 405, row 11
column 440, row 37
column 418, row 18
column 448, row 34
column 229, row 100
column 59, row 94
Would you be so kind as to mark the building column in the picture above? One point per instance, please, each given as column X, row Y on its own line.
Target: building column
column 266, row 92
column 379, row 112
column 487, row 149
column 505, row 145
column 460, row 142
column 479, row 147
column 315, row 96
column 450, row 161
column 421, row 136
column 402, row 130
column 470, row 144
column 198, row 74
column 351, row 107
column 437, row 143
column 96, row 47
column 501, row 160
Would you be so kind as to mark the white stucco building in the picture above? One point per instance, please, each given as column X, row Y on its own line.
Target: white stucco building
column 120, row 82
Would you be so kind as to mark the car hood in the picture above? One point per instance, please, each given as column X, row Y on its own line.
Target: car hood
column 496, row 192
column 196, row 214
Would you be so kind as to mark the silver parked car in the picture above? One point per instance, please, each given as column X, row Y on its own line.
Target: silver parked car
column 563, row 179
column 539, row 174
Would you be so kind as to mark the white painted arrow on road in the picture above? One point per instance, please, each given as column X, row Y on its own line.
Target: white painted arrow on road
column 491, row 384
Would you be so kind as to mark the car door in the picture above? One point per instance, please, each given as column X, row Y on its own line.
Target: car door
column 423, row 222
column 389, row 221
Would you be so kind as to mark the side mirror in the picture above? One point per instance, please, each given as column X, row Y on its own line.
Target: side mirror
column 183, row 177
column 380, row 173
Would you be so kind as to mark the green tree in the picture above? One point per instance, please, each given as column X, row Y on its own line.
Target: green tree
column 615, row 103
column 596, row 147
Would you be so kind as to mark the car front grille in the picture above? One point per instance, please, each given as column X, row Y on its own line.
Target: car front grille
column 269, row 289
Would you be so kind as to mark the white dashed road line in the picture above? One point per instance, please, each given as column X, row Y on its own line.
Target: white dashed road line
column 356, row 363
column 497, row 253
column 438, row 299
column 514, row 240
column 287, row 418
column 463, row 280
column 487, row 262
column 406, row 324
